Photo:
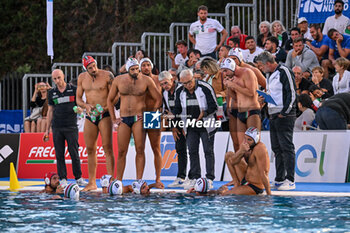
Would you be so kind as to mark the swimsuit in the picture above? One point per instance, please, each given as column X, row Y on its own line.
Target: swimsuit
column 234, row 112
column 243, row 116
column 256, row 189
column 98, row 118
column 130, row 120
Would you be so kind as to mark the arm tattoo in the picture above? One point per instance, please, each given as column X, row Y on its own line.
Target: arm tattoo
column 111, row 78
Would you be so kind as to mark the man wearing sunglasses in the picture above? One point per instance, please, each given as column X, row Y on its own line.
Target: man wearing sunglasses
column 203, row 33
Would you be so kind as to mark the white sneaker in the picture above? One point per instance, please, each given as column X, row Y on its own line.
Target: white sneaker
column 63, row 183
column 210, row 183
column 276, row 184
column 287, row 185
column 81, row 182
column 189, row 184
column 178, row 182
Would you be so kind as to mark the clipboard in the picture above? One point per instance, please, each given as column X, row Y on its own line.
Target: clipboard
column 267, row 97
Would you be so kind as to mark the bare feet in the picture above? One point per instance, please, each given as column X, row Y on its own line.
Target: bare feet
column 90, row 187
column 231, row 183
column 159, row 185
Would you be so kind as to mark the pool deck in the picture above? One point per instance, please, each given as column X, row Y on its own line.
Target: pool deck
column 302, row 189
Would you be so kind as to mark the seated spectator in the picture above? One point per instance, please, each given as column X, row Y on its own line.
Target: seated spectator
column 139, row 54
column 223, row 52
column 304, row 29
column 301, row 56
column 294, row 33
column 198, row 74
column 307, row 116
column 279, row 31
column 38, row 105
column 339, row 46
column 181, row 57
column 193, row 57
column 302, row 84
column 341, row 81
column 334, row 114
column 236, row 33
column 252, row 51
column 279, row 54
column 264, row 28
column 323, row 83
column 174, row 73
column 320, row 44
column 316, row 95
column 233, row 42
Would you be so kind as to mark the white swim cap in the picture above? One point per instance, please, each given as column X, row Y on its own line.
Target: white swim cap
column 137, row 185
column 71, row 191
column 146, row 59
column 105, row 180
column 201, row 185
column 253, row 133
column 131, row 62
column 228, row 63
column 237, row 52
column 115, row 187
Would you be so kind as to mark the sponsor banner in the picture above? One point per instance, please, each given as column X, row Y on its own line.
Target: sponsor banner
column 37, row 157
column 11, row 121
column 8, row 152
column 317, row 11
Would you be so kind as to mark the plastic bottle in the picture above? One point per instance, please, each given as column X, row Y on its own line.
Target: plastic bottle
column 304, row 126
column 75, row 109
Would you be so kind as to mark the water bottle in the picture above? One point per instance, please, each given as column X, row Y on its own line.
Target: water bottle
column 132, row 142
column 99, row 108
column 75, row 109
column 220, row 112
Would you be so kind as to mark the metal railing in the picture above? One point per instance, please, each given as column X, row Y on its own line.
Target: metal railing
column 70, row 70
column 28, row 85
column 10, row 87
column 121, row 51
column 178, row 31
column 102, row 59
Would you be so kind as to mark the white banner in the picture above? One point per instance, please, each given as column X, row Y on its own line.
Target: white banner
column 321, row 156
column 49, row 28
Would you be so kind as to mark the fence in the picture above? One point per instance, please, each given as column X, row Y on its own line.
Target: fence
column 10, row 89
column 121, row 51
column 28, row 84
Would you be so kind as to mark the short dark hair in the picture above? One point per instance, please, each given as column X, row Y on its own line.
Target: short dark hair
column 249, row 38
column 298, row 39
column 202, row 7
column 339, row 1
column 274, row 40
column 184, row 43
column 235, row 40
column 295, row 29
column 227, row 47
column 313, row 88
column 331, row 32
column 195, row 51
column 316, row 26
column 305, row 100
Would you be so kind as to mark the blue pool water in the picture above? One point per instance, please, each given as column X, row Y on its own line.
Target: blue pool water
column 96, row 212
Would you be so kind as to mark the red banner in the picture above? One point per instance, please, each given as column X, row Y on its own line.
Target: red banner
column 37, row 157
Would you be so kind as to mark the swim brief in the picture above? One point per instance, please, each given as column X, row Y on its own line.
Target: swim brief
column 130, row 120
column 243, row 116
column 98, row 118
column 234, row 112
column 256, row 189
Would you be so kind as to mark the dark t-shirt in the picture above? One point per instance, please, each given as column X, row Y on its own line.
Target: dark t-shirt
column 63, row 103
column 304, row 84
column 327, row 84
column 341, row 104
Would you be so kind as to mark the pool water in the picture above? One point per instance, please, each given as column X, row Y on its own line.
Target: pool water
column 96, row 212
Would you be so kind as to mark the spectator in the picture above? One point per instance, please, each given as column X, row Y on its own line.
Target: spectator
column 173, row 73
column 320, row 44
column 195, row 100
column 334, row 114
column 38, row 104
column 281, row 87
column 205, row 30
column 198, row 74
column 236, row 33
column 279, row 31
column 337, row 21
column 223, row 52
column 139, row 54
column 234, row 42
column 339, row 46
column 307, row 116
column 341, row 81
column 181, row 57
column 264, row 28
column 301, row 56
column 294, row 33
column 193, row 57
column 252, row 51
column 323, row 83
column 302, row 84
column 271, row 45
column 316, row 94
column 304, row 29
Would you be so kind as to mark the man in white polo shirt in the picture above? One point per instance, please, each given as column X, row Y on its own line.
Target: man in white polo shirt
column 338, row 20
column 203, row 33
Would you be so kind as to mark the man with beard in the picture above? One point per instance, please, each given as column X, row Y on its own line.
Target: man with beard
column 95, row 83
column 203, row 32
column 52, row 183
column 132, row 88
column 250, row 166
column 271, row 45
column 152, row 105
column 337, row 21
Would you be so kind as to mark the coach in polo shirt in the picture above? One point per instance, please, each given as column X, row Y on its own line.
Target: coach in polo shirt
column 195, row 101
column 64, row 126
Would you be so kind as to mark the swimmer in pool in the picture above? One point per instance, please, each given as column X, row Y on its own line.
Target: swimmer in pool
column 250, row 166
column 52, row 183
